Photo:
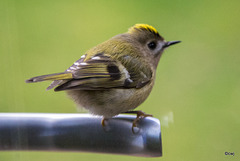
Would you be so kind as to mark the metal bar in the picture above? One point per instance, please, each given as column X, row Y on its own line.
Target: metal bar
column 80, row 132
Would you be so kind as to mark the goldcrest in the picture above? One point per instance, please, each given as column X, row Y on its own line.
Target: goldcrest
column 116, row 76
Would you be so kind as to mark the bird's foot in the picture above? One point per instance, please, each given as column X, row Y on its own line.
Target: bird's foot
column 140, row 115
column 103, row 121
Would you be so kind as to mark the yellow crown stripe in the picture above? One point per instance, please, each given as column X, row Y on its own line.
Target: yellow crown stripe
column 143, row 26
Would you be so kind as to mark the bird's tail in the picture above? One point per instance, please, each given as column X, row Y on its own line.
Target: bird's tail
column 52, row 77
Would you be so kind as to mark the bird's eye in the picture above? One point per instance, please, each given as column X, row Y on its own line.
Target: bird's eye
column 152, row 45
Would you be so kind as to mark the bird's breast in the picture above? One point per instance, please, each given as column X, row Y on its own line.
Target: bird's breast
column 109, row 103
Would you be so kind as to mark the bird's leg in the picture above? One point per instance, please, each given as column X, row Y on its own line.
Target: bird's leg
column 140, row 115
column 103, row 121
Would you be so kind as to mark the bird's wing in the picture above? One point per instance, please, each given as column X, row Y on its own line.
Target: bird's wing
column 102, row 72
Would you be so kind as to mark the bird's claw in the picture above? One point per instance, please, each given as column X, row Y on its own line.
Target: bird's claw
column 140, row 115
column 103, row 122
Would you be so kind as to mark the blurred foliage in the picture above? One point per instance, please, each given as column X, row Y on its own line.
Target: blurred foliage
column 196, row 96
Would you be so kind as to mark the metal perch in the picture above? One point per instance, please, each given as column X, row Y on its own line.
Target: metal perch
column 80, row 132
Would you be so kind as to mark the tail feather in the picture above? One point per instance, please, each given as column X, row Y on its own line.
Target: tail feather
column 56, row 83
column 56, row 76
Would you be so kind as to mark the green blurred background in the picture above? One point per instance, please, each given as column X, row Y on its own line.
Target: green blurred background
column 197, row 91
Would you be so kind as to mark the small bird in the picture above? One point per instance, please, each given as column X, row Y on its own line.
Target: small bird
column 116, row 76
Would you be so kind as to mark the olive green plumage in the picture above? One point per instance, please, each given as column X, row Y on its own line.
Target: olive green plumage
column 115, row 76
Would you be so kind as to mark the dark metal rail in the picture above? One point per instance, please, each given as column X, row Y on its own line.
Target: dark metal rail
column 80, row 132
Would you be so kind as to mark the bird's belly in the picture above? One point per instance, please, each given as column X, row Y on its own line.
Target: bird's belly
column 109, row 103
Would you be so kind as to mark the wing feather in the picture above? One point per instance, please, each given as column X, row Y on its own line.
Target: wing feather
column 102, row 72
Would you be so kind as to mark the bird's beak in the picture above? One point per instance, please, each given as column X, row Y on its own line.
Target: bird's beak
column 169, row 43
